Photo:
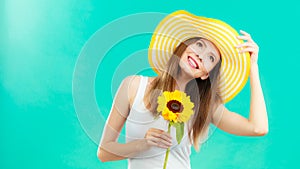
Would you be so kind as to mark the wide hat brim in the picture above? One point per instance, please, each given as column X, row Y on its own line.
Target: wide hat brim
column 182, row 25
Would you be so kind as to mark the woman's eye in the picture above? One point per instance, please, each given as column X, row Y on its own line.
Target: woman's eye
column 212, row 58
column 199, row 44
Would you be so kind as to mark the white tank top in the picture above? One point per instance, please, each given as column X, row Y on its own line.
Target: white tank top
column 139, row 120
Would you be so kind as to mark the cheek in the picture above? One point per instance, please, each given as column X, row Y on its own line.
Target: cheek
column 210, row 67
column 182, row 63
column 183, row 58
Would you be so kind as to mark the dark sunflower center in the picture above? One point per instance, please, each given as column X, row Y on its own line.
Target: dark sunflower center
column 175, row 106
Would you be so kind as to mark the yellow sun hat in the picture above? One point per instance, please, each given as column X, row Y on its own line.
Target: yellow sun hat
column 182, row 25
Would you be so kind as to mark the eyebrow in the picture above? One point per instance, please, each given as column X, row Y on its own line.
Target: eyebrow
column 203, row 43
column 214, row 54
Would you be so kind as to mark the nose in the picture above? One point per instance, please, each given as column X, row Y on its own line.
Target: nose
column 200, row 58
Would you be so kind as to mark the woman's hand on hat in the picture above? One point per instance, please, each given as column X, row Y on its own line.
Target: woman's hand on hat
column 249, row 46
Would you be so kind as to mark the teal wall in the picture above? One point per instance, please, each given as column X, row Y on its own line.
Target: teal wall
column 56, row 89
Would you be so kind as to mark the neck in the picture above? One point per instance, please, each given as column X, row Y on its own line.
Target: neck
column 181, row 81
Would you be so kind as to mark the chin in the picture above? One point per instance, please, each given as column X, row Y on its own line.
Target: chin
column 190, row 73
column 197, row 75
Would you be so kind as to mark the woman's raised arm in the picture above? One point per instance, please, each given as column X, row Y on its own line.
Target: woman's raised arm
column 258, row 112
column 257, row 124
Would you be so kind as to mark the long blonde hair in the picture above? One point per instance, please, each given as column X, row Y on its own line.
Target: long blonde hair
column 206, row 99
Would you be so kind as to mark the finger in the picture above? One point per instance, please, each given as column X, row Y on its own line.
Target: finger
column 165, row 143
column 153, row 143
column 162, row 146
column 249, row 49
column 161, row 132
column 164, row 137
column 247, row 44
column 167, row 135
column 245, row 38
column 160, row 141
column 152, row 132
column 156, row 130
column 245, row 33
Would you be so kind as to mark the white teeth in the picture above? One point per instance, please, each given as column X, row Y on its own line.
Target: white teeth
column 192, row 62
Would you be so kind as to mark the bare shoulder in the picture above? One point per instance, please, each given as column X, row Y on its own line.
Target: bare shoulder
column 133, row 82
column 151, row 79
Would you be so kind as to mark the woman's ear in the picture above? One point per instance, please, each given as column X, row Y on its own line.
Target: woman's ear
column 204, row 76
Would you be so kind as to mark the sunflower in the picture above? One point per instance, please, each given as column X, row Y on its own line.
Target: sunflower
column 175, row 106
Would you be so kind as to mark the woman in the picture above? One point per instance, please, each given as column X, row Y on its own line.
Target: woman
column 203, row 58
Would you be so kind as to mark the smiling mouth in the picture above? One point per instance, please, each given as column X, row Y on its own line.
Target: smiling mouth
column 193, row 63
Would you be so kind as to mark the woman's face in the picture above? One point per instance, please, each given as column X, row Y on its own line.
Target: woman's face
column 199, row 58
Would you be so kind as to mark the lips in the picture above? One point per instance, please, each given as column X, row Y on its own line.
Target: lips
column 193, row 63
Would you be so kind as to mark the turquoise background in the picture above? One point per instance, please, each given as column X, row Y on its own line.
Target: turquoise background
column 41, row 42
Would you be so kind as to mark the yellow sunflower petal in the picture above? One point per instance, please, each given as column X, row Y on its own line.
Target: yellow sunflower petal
column 161, row 103
column 179, row 96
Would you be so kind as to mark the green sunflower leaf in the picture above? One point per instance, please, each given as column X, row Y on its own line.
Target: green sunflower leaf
column 179, row 131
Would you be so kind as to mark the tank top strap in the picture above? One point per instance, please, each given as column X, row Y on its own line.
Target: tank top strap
column 141, row 91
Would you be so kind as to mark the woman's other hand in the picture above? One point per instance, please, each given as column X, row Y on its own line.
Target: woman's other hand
column 249, row 46
column 158, row 137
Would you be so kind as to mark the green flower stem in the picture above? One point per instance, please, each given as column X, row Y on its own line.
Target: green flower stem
column 168, row 150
